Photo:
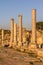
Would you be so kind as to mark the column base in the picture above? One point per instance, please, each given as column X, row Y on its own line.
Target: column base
column 11, row 45
column 14, row 44
column 32, row 46
column 19, row 44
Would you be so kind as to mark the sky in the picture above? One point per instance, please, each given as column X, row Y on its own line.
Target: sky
column 12, row 8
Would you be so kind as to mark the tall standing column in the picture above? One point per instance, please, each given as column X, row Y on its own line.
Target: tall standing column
column 12, row 32
column 2, row 37
column 33, row 25
column 15, row 33
column 20, row 30
column 42, row 36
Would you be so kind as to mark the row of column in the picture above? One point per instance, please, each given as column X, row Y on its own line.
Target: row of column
column 13, row 38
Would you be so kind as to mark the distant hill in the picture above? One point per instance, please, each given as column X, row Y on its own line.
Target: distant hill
column 39, row 25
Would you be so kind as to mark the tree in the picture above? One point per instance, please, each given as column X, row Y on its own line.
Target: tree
column 39, row 25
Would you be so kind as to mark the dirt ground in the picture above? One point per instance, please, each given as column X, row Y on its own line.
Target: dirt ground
column 9, row 56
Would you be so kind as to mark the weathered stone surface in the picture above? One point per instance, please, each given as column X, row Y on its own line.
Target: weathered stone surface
column 12, row 31
column 15, row 33
column 34, row 26
column 3, row 37
column 20, row 30
column 40, row 53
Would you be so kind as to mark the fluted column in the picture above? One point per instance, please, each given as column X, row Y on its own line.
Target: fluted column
column 33, row 25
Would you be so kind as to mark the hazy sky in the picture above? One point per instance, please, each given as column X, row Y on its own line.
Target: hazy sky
column 12, row 8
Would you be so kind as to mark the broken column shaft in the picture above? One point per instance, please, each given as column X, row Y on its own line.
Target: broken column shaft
column 2, row 37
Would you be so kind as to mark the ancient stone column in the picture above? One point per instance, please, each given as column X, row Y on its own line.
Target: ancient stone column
column 2, row 37
column 24, row 35
column 20, row 30
column 42, row 36
column 34, row 26
column 12, row 32
column 15, row 33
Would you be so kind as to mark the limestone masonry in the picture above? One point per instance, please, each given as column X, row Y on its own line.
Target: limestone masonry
column 19, row 36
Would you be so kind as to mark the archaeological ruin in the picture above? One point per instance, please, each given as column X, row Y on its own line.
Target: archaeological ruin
column 20, row 37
